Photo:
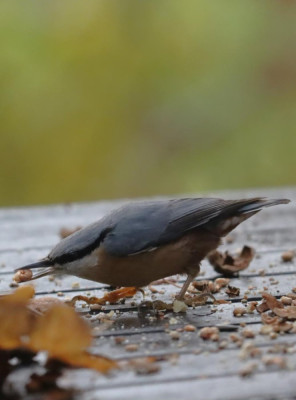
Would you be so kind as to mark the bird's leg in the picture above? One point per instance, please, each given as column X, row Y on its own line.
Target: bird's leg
column 185, row 286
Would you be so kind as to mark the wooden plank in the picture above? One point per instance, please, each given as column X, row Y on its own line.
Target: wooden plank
column 29, row 233
column 265, row 386
column 189, row 367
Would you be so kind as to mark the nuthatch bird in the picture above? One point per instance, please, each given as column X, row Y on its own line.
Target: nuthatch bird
column 145, row 241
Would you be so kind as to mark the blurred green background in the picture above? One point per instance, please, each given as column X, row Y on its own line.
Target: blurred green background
column 123, row 98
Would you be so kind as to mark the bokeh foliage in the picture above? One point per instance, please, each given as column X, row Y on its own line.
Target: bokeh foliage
column 116, row 98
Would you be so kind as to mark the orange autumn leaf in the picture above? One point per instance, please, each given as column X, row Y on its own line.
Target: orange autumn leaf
column 15, row 319
column 22, row 295
column 60, row 330
column 110, row 297
column 86, row 360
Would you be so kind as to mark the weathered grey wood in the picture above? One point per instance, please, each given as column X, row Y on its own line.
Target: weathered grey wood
column 28, row 234
column 265, row 386
column 159, row 344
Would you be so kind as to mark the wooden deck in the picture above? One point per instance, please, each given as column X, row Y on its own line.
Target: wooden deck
column 189, row 367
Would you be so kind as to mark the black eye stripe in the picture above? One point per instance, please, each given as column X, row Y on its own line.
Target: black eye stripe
column 76, row 255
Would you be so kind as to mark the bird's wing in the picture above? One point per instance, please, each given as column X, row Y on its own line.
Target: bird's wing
column 143, row 226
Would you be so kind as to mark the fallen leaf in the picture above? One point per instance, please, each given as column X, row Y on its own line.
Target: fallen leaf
column 60, row 331
column 51, row 332
column 221, row 301
column 110, row 297
column 15, row 318
column 229, row 265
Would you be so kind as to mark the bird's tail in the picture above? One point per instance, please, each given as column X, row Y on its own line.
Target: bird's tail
column 257, row 204
column 45, row 265
column 238, row 211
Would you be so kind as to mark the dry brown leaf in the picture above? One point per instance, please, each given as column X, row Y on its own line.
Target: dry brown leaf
column 110, row 297
column 65, row 336
column 60, row 331
column 229, row 265
column 221, row 301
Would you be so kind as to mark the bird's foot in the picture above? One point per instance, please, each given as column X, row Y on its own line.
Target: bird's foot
column 110, row 297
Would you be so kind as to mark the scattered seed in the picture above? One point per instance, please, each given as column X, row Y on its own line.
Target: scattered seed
column 174, row 335
column 131, row 347
column 209, row 333
column 288, row 256
column 189, row 328
column 22, row 275
column 119, row 340
column 239, row 311
column 286, row 300
column 248, row 369
column 248, row 333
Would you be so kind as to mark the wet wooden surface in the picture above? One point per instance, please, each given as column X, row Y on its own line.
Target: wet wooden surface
column 188, row 367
